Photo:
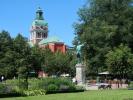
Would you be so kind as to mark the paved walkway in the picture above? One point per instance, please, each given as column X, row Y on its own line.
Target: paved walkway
column 113, row 86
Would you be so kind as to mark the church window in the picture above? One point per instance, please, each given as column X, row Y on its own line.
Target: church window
column 39, row 35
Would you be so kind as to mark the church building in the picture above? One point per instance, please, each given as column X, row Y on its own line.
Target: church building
column 39, row 35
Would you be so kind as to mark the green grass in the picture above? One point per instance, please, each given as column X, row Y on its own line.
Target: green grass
column 88, row 95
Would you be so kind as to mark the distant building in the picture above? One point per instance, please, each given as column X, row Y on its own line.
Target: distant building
column 39, row 35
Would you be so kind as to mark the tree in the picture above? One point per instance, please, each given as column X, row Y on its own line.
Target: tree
column 22, row 59
column 6, row 55
column 57, row 63
column 37, row 57
column 120, row 61
column 103, row 25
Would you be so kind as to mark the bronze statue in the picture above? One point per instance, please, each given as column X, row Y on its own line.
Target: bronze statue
column 78, row 52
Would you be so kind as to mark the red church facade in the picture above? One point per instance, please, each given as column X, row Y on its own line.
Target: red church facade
column 54, row 47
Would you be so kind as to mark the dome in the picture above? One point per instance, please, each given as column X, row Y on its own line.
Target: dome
column 39, row 23
column 53, row 39
column 39, row 20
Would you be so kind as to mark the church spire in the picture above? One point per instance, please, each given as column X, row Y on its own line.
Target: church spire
column 39, row 14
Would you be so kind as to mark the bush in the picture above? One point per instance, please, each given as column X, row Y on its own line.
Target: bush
column 5, row 95
column 35, row 84
column 33, row 92
column 67, row 87
column 9, row 90
column 60, row 91
column 13, row 82
column 56, row 81
column 52, row 87
column 60, row 85
column 130, row 86
column 38, row 87
column 23, row 84
column 2, row 88
column 52, row 84
column 80, row 88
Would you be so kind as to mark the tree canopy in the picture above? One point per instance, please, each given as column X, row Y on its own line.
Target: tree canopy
column 103, row 25
column 17, row 58
column 120, row 61
column 6, row 54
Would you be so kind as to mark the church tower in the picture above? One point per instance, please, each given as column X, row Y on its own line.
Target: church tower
column 39, row 28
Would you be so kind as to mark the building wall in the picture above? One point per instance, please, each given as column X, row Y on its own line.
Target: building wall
column 57, row 47
column 51, row 46
column 54, row 47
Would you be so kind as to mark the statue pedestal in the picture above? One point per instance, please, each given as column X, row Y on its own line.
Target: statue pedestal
column 80, row 74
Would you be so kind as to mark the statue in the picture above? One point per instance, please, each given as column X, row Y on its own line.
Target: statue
column 80, row 67
column 78, row 52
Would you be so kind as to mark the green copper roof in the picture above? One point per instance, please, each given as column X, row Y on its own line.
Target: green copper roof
column 53, row 39
column 39, row 14
column 30, row 44
column 39, row 20
column 39, row 23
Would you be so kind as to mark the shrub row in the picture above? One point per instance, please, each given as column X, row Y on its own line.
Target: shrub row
column 33, row 92
column 5, row 95
column 130, row 86
column 38, row 87
column 62, row 91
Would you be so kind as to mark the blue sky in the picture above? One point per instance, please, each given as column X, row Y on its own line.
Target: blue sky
column 16, row 16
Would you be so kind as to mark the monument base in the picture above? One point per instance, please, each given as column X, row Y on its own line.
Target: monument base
column 80, row 74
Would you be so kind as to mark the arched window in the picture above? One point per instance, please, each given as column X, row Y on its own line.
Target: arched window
column 39, row 35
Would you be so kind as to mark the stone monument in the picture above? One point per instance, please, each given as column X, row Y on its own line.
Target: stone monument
column 80, row 67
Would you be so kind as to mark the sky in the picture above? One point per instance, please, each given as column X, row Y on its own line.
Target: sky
column 16, row 16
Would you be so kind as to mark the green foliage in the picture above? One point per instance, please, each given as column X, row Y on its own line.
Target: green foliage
column 12, row 89
column 57, row 63
column 14, row 54
column 37, row 58
column 38, row 86
column 120, row 61
column 23, row 84
column 18, row 59
column 22, row 60
column 88, row 95
column 33, row 92
column 56, row 81
column 2, row 88
column 14, row 83
column 35, row 84
column 130, row 86
column 103, row 25
column 9, row 88
column 7, row 95
column 80, row 88
column 45, row 82
column 58, row 85
column 52, row 84
column 6, row 54
column 52, row 87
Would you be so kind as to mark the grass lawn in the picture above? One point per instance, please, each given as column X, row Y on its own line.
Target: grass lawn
column 88, row 95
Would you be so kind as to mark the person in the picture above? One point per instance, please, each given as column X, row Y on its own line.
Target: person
column 2, row 78
column 74, row 80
